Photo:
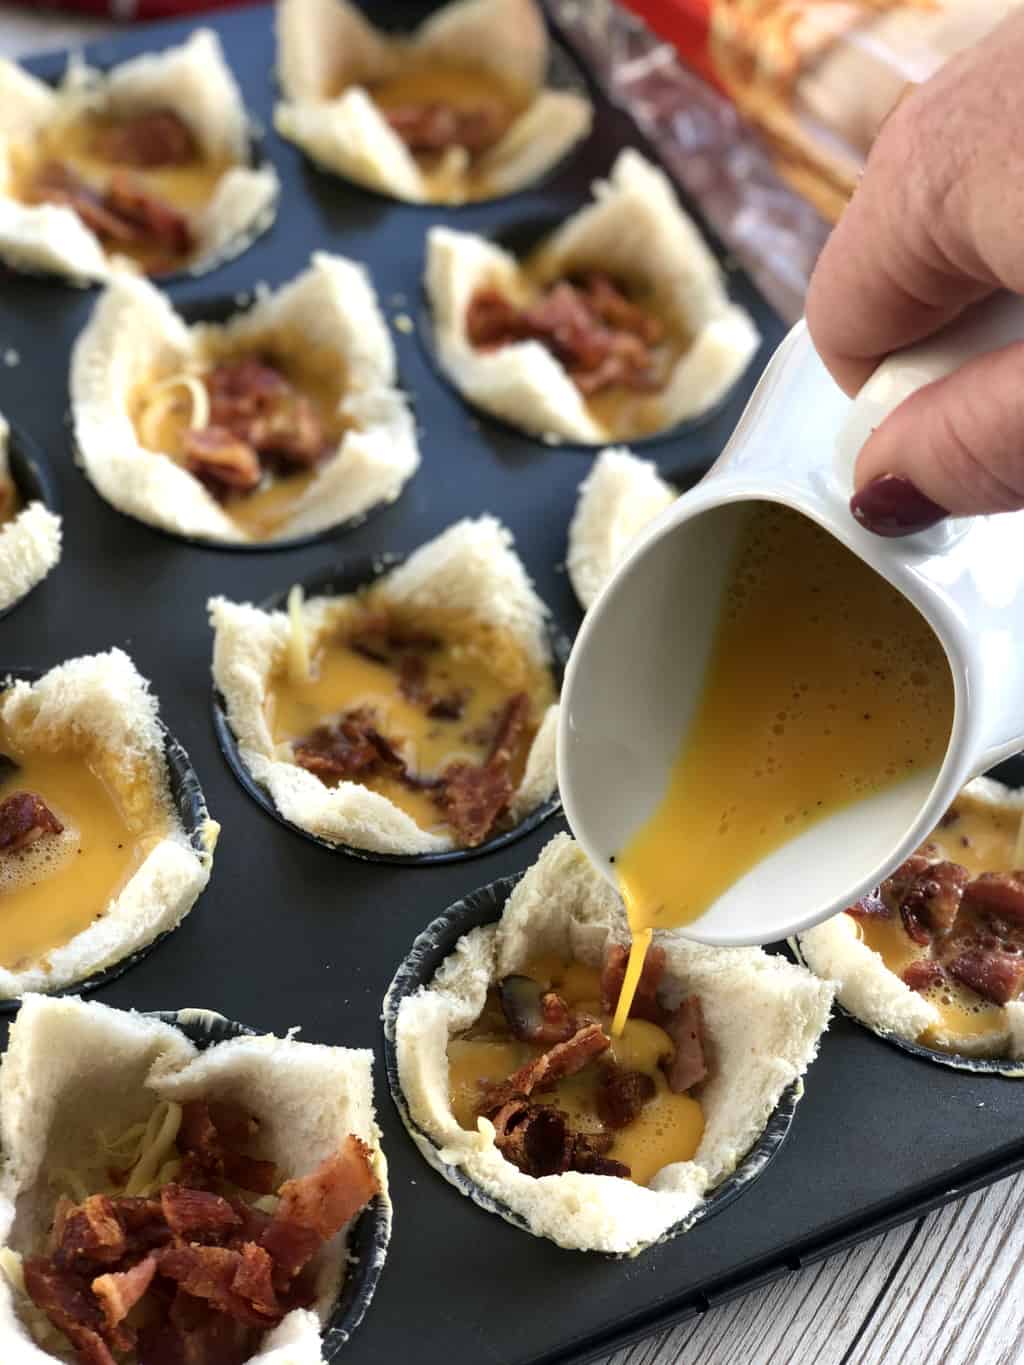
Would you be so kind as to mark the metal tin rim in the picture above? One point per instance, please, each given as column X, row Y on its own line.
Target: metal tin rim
column 190, row 806
column 347, row 578
column 429, row 949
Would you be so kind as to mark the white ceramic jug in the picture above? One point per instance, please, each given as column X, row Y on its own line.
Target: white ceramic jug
column 637, row 668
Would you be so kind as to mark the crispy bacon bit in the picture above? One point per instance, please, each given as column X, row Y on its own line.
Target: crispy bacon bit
column 564, row 1059
column 152, row 219
column 685, row 1026
column 210, row 1338
column 156, row 138
column 999, row 893
column 196, row 1215
column 57, row 184
column 259, row 405
column 232, row 1123
column 434, row 127
column 144, row 1224
column 599, row 335
column 254, row 1282
column 621, row 1096
column 24, row 818
column 533, row 1014
column 449, row 707
column 923, row 974
column 118, row 1292
column 313, row 1208
column 208, row 1272
column 473, row 798
column 645, row 1001
column 221, row 461
column 351, row 748
column 92, row 1235
column 997, row 976
column 533, row 1137
column 509, row 731
column 66, row 1300
column 932, row 900
column 412, row 677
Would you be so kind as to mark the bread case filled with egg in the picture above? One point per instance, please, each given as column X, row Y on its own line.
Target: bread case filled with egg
column 292, row 933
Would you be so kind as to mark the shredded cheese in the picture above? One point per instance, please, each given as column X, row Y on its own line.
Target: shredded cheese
column 157, row 1145
column 161, row 399
column 298, row 640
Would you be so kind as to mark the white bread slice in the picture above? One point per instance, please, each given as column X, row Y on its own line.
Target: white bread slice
column 470, row 567
column 764, row 1017
column 73, row 1068
column 30, row 543
column 637, row 230
column 134, row 330
column 882, row 1000
column 327, row 46
column 192, row 80
column 100, row 706
column 617, row 500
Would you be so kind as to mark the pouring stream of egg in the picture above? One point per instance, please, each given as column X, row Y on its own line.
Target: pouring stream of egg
column 824, row 687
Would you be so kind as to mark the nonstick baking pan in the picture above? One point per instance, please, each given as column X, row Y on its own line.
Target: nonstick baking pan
column 290, row 933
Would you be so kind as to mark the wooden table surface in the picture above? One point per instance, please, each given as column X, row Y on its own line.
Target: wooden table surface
column 939, row 1290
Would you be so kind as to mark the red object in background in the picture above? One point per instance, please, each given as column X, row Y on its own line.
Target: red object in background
column 139, row 9
column 685, row 24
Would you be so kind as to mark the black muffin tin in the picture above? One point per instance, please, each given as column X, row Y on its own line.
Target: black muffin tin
column 289, row 933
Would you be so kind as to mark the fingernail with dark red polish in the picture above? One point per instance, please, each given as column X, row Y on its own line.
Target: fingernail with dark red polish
column 893, row 506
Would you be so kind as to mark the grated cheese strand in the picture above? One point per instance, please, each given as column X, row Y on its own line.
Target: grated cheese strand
column 157, row 1146
column 298, row 640
column 160, row 400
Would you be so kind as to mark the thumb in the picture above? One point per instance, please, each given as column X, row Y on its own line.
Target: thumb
column 955, row 447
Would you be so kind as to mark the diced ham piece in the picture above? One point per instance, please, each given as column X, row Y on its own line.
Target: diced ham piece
column 24, row 818
column 67, row 1301
column 313, row 1208
column 999, row 893
column 645, row 1001
column 119, row 1291
column 685, row 1026
column 156, row 138
column 995, row 975
column 221, row 461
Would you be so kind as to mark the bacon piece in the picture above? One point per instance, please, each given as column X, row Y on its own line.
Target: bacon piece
column 645, row 1001
column 260, row 1177
column 92, row 1235
column 253, row 1223
column 533, row 1137
column 254, row 1283
column 194, row 1333
column 997, row 976
column 999, row 893
column 24, row 818
column 221, row 461
column 314, row 1207
column 509, row 731
column 197, row 1216
column 533, row 1014
column 152, row 218
column 352, row 748
column 144, row 1224
column 923, row 974
column 119, row 1291
column 932, row 900
column 412, row 677
column 621, row 1096
column 685, row 1026
column 58, row 184
column 232, row 1123
column 599, row 335
column 448, row 707
column 472, row 799
column 290, row 430
column 156, row 138
column 564, row 1059
column 208, row 1272
column 259, row 405
column 68, row 1303
column 433, row 127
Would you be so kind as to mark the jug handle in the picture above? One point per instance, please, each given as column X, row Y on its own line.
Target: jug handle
column 987, row 326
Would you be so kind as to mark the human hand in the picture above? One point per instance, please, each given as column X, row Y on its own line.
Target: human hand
column 936, row 224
